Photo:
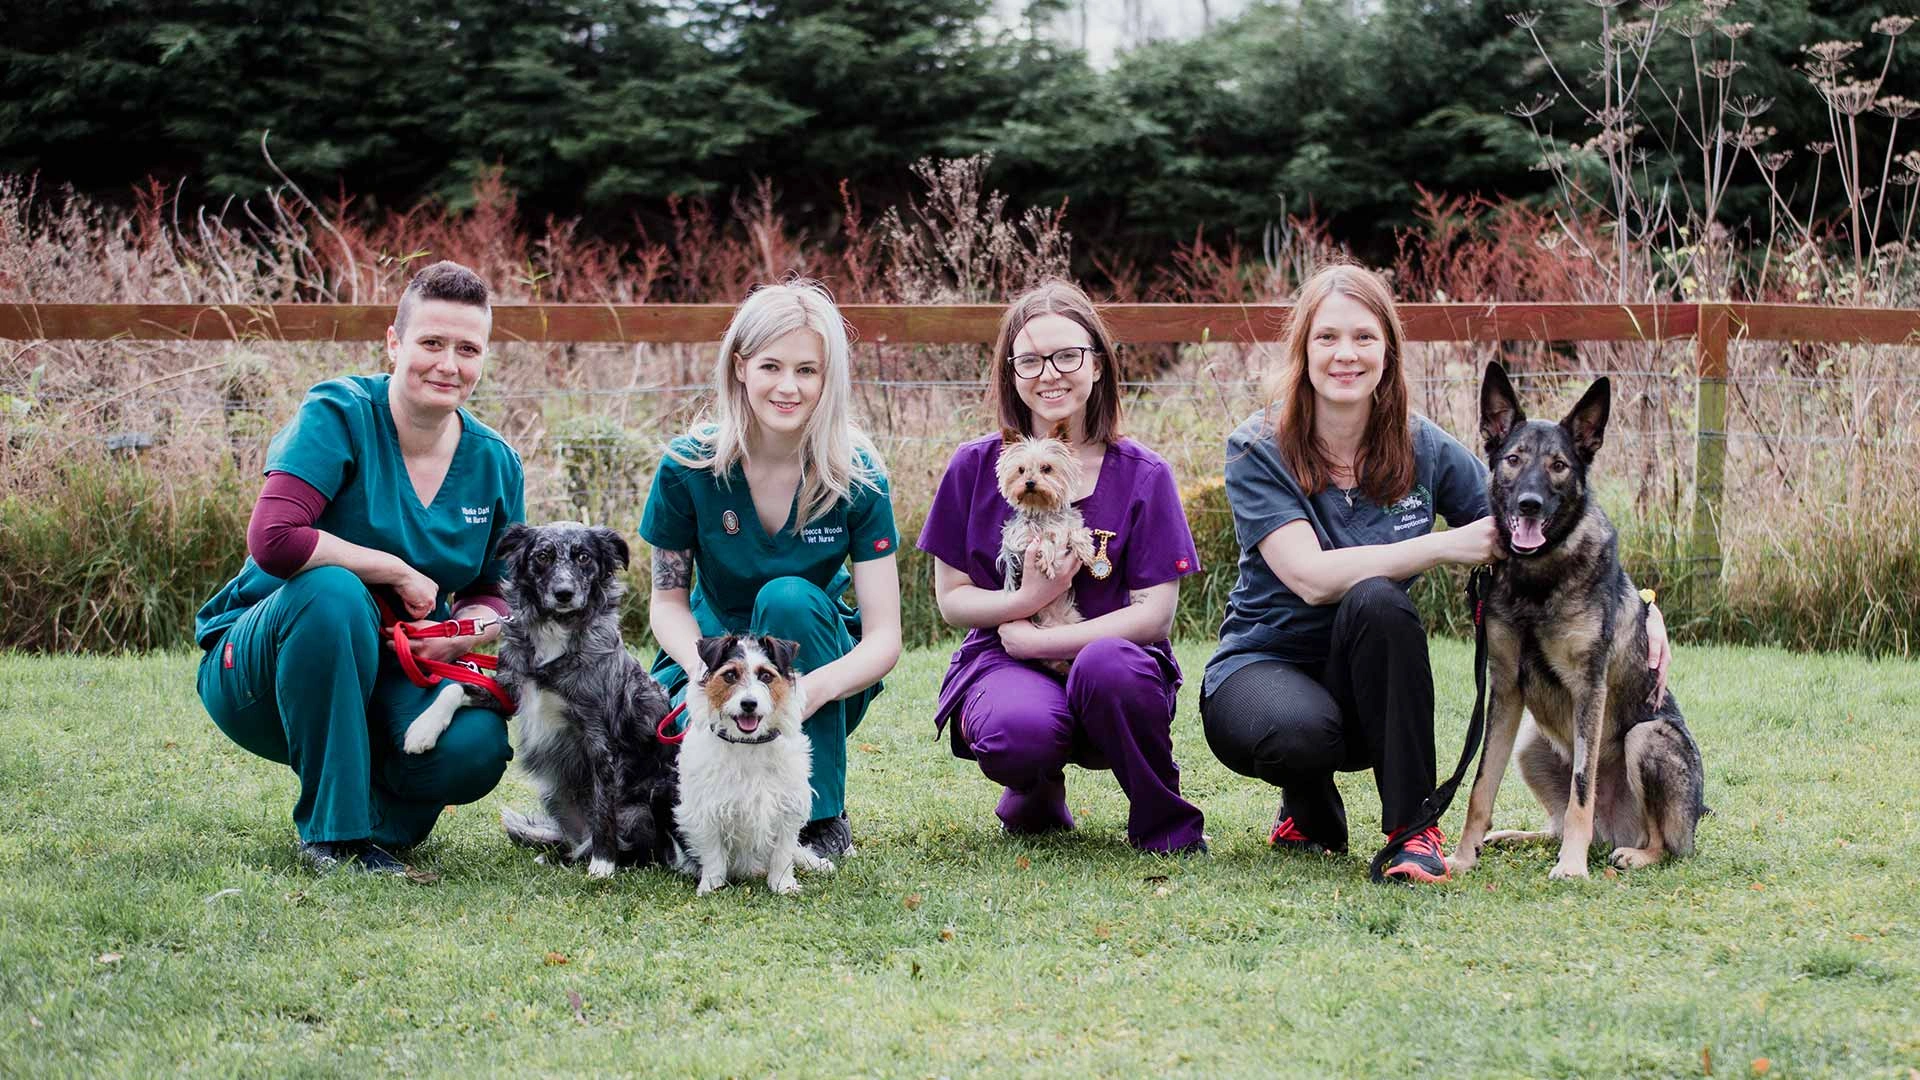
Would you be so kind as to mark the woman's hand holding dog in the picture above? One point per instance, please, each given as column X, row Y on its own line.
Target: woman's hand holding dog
column 1476, row 543
column 1041, row 583
column 1659, row 653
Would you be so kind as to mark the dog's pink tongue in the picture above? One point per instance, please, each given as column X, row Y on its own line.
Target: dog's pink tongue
column 1526, row 532
column 748, row 724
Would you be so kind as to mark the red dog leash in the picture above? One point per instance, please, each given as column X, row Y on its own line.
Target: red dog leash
column 470, row 669
column 660, row 729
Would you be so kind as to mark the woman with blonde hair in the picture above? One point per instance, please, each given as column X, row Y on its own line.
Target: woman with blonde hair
column 754, row 516
column 1322, row 664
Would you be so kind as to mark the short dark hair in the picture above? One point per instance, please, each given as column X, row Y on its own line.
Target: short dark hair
column 1058, row 297
column 444, row 280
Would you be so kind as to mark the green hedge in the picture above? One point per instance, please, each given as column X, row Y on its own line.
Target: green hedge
column 109, row 556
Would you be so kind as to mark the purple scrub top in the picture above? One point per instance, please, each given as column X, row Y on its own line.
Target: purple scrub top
column 1135, row 498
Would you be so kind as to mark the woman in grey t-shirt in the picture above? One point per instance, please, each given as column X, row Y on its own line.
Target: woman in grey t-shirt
column 1322, row 665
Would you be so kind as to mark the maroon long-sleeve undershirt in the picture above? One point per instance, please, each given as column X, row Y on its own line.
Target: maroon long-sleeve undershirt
column 281, row 537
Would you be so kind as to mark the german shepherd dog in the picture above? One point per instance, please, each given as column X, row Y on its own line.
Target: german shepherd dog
column 1567, row 643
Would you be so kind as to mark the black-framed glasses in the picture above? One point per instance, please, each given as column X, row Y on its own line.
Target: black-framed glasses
column 1064, row 361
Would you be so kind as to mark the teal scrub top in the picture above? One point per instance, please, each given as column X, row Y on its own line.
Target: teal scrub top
column 344, row 443
column 689, row 509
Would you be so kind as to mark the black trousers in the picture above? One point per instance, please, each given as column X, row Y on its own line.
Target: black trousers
column 1369, row 706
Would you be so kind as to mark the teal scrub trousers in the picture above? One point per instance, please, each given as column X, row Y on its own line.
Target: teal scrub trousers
column 303, row 679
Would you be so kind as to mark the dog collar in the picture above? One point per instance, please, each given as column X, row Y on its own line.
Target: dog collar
column 771, row 735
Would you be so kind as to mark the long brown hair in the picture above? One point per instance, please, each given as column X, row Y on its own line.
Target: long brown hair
column 1058, row 297
column 1385, row 464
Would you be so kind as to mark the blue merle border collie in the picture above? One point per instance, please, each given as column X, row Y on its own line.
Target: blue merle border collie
column 588, row 710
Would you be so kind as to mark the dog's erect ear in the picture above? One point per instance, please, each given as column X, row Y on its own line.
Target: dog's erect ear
column 1499, row 407
column 1008, row 436
column 1060, row 431
column 511, row 541
column 713, row 652
column 781, row 652
column 612, row 545
column 1587, row 423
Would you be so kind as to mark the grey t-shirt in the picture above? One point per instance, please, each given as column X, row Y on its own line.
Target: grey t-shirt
column 1265, row 619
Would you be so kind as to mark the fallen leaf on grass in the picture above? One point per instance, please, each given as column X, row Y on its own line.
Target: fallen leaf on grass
column 911, row 902
column 1758, row 887
column 1610, row 872
column 422, row 877
column 1489, row 886
column 1760, row 1066
column 1860, row 937
column 169, row 745
column 1102, row 931
column 869, row 748
column 1023, row 863
column 946, row 933
column 579, row 1007
column 554, row 959
column 109, row 958
column 1706, row 1061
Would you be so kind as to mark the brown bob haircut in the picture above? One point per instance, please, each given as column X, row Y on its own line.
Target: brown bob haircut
column 1058, row 297
column 1385, row 465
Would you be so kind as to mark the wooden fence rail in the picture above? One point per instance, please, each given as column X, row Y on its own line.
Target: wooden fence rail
column 1712, row 326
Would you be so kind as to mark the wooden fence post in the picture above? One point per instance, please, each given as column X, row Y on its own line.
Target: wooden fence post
column 1709, row 449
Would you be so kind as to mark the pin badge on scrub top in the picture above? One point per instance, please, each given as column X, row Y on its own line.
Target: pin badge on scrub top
column 730, row 521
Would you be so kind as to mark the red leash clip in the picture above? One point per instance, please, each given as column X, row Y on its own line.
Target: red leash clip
column 470, row 669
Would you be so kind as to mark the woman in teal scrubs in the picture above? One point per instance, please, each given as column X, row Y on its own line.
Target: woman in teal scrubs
column 384, row 485
column 754, row 517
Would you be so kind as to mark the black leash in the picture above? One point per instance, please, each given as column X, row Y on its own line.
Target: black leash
column 1436, row 805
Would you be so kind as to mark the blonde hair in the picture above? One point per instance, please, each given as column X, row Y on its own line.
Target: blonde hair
column 835, row 455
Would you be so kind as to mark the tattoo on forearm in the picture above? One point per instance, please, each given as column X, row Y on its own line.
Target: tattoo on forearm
column 1134, row 599
column 672, row 569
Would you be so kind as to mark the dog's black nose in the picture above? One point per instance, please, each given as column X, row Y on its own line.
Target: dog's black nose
column 563, row 596
column 1529, row 504
column 749, row 705
column 1029, row 485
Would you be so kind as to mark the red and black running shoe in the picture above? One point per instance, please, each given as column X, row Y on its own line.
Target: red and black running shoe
column 1288, row 837
column 1422, row 859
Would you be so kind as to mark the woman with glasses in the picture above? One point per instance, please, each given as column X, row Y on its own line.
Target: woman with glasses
column 1054, row 363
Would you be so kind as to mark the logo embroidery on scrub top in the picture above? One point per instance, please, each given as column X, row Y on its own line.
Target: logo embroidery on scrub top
column 477, row 515
column 1183, row 565
column 882, row 544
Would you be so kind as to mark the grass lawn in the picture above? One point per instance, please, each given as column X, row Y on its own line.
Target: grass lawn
column 152, row 917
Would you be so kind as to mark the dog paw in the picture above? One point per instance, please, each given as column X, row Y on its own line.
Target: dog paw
column 710, row 885
column 423, row 734
column 786, row 886
column 1462, row 861
column 600, row 867
column 1563, row 871
column 1628, row 858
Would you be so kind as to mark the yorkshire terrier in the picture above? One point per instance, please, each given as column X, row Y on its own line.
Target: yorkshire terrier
column 1037, row 477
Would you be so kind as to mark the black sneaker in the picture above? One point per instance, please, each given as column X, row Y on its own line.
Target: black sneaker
column 1286, row 836
column 1421, row 860
column 361, row 855
column 829, row 838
